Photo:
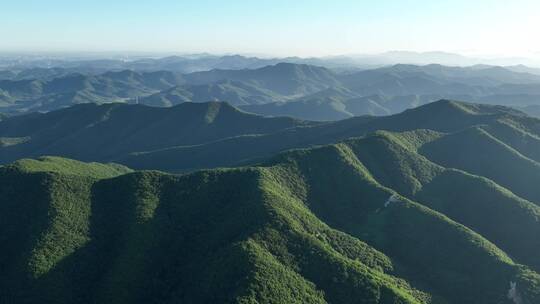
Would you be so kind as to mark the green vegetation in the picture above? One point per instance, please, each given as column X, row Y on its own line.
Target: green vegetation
column 60, row 165
column 482, row 154
column 309, row 226
column 135, row 238
column 434, row 205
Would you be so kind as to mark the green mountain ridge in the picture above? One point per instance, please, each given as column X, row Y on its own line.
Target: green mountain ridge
column 317, row 225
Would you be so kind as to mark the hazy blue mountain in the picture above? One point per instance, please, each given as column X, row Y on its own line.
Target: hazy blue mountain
column 200, row 62
column 524, row 69
column 437, row 57
column 532, row 110
column 474, row 75
column 181, row 64
column 283, row 78
column 234, row 92
column 296, row 90
column 7, row 75
column 47, row 73
column 339, row 107
column 437, row 79
column 51, row 94
column 269, row 84
column 189, row 64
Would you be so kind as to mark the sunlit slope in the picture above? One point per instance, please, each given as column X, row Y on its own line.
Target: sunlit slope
column 216, row 236
column 424, row 242
column 310, row 226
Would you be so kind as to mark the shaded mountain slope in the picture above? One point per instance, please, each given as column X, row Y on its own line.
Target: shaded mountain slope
column 393, row 83
column 442, row 116
column 474, row 201
column 329, row 104
column 339, row 103
column 91, row 132
column 477, row 75
column 482, row 154
column 324, row 107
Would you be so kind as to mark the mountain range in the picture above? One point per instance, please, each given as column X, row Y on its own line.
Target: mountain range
column 284, row 89
column 50, row 94
column 437, row 204
column 205, row 135
column 202, row 62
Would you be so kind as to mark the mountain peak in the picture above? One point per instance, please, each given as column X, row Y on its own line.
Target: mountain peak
column 447, row 105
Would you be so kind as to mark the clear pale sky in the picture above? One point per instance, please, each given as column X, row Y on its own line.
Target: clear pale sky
column 279, row 27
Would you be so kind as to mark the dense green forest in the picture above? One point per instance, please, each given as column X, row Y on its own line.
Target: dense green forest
column 374, row 219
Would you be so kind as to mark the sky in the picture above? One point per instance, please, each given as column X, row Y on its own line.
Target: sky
column 274, row 28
